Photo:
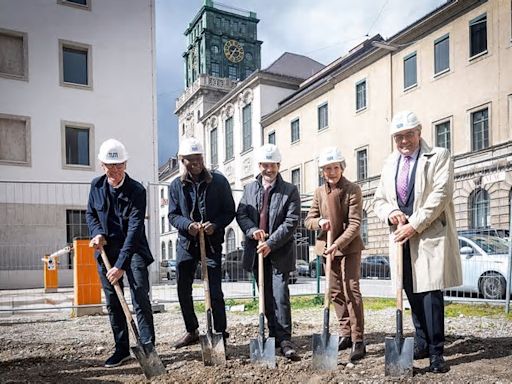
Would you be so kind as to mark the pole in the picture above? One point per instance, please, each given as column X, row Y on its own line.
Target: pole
column 318, row 271
column 509, row 272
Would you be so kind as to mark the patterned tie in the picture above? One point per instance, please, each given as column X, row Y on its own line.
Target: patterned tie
column 264, row 210
column 402, row 181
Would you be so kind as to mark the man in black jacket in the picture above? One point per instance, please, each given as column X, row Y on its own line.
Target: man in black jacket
column 115, row 215
column 271, row 206
column 199, row 198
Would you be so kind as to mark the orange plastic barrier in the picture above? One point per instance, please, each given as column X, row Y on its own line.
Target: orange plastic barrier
column 86, row 282
column 50, row 274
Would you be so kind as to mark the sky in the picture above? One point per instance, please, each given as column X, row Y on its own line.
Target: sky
column 320, row 29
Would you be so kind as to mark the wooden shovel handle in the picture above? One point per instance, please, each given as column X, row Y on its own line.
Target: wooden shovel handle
column 399, row 276
column 261, row 281
column 204, row 270
column 328, row 263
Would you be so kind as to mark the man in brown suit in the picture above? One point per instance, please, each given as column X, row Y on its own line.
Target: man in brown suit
column 337, row 206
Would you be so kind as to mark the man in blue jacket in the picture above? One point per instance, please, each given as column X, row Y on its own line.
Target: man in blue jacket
column 115, row 217
column 199, row 198
column 271, row 206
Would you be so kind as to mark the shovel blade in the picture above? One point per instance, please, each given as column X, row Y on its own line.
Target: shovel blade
column 212, row 346
column 325, row 352
column 263, row 351
column 148, row 359
column 398, row 358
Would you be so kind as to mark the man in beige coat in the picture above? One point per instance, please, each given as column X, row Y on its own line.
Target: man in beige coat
column 414, row 198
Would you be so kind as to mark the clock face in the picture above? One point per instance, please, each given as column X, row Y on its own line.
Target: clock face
column 234, row 51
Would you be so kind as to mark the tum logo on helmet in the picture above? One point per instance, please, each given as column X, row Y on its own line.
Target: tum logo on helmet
column 112, row 155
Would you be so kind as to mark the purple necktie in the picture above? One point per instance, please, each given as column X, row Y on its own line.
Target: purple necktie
column 402, row 181
column 264, row 210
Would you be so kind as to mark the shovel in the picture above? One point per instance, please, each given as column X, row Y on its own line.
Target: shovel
column 263, row 351
column 145, row 353
column 325, row 345
column 399, row 351
column 212, row 344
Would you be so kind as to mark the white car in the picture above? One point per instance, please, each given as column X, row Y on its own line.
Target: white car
column 484, row 265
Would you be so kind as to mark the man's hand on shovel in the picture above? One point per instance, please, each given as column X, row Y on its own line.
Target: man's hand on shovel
column 113, row 274
column 262, row 247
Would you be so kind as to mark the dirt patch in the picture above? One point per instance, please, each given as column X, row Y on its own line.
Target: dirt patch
column 52, row 348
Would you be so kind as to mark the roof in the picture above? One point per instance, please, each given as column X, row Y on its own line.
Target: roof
column 294, row 65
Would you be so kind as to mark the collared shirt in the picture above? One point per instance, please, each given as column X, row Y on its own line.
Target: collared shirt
column 412, row 161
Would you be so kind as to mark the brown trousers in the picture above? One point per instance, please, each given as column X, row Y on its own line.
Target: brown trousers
column 346, row 295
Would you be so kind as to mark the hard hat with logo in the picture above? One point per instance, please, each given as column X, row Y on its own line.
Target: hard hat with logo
column 402, row 121
column 268, row 153
column 190, row 146
column 112, row 151
column 331, row 155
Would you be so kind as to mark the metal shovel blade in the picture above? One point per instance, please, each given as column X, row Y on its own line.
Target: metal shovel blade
column 398, row 358
column 212, row 346
column 148, row 359
column 325, row 352
column 263, row 351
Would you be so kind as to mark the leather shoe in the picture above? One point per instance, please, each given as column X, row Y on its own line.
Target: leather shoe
column 288, row 350
column 420, row 353
column 358, row 351
column 438, row 365
column 188, row 338
column 344, row 343
column 118, row 358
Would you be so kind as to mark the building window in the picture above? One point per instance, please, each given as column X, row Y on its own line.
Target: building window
column 76, row 225
column 215, row 69
column 362, row 164
column 78, row 145
column 295, row 130
column 170, row 251
column 480, row 129
column 364, row 228
column 323, row 118
column 232, row 72
column 214, row 160
column 230, row 241
column 14, row 140
column 296, row 178
column 13, row 54
column 272, row 137
column 246, row 127
column 478, row 35
column 162, row 227
column 443, row 135
column 361, row 95
column 163, row 250
column 479, row 209
column 410, row 72
column 83, row 4
column 75, row 64
column 229, row 138
column 442, row 54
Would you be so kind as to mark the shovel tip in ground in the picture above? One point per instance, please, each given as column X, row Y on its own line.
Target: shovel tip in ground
column 149, row 360
column 212, row 347
column 263, row 353
column 325, row 352
column 399, row 356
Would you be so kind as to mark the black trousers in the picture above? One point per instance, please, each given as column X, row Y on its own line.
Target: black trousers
column 138, row 279
column 185, row 270
column 427, row 312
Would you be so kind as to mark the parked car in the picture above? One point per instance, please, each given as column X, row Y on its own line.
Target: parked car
column 484, row 265
column 168, row 269
column 375, row 266
column 503, row 233
column 312, row 268
column 302, row 268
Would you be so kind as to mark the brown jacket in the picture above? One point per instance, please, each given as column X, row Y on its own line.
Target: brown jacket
column 349, row 240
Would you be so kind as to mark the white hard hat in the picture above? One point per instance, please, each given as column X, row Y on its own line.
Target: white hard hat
column 402, row 121
column 112, row 151
column 331, row 155
column 190, row 146
column 268, row 153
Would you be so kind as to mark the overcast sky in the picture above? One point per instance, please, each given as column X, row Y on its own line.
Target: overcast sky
column 321, row 29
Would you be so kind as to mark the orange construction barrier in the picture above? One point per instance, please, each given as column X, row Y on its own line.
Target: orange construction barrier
column 86, row 282
column 50, row 274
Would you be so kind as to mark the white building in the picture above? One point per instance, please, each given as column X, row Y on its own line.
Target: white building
column 72, row 74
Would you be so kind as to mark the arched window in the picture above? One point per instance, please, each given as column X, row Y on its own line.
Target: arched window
column 169, row 248
column 364, row 227
column 479, row 209
column 163, row 250
column 230, row 241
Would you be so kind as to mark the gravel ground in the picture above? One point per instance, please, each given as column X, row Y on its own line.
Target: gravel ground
column 52, row 348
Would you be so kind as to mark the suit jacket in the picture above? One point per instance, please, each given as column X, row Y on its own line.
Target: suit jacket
column 435, row 255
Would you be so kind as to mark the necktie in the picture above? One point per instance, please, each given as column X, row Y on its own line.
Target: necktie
column 264, row 210
column 402, row 181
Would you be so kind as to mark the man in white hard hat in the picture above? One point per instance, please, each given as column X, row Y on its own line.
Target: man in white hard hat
column 415, row 198
column 199, row 198
column 270, row 206
column 338, row 207
column 115, row 217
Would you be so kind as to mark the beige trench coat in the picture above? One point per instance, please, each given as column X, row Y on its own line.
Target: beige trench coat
column 435, row 248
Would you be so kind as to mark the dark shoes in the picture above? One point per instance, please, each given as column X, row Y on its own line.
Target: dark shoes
column 358, row 351
column 187, row 339
column 117, row 359
column 288, row 350
column 438, row 365
column 344, row 343
column 420, row 353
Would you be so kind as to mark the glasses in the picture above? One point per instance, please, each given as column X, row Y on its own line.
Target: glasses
column 112, row 166
column 407, row 136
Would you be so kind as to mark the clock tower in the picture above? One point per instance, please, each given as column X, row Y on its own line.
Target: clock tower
column 221, row 42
